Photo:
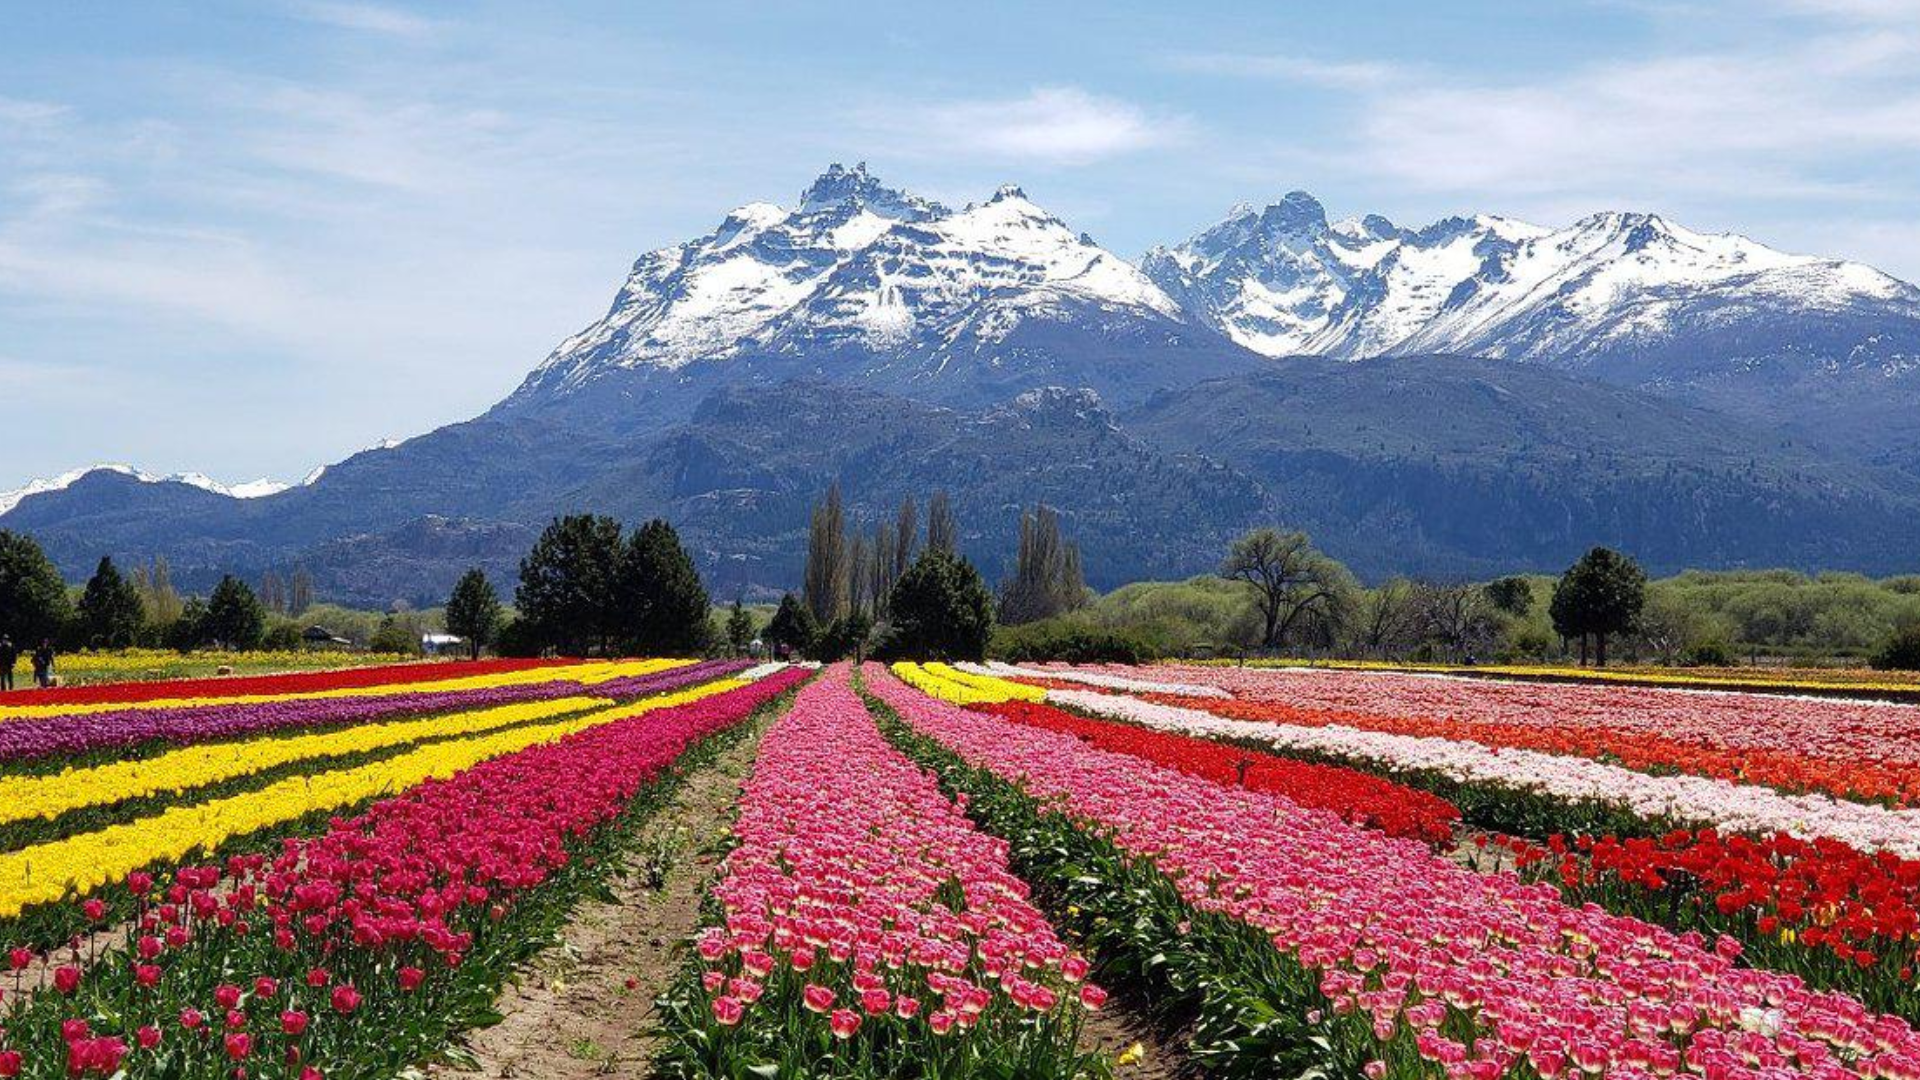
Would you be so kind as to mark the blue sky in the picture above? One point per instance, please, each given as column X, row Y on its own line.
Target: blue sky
column 254, row 237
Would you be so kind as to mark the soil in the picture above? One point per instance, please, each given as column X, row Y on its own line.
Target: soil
column 585, row 1007
column 1118, row 1026
column 1490, row 859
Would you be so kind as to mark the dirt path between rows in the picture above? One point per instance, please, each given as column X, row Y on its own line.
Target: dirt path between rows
column 1121, row 1034
column 572, row 1014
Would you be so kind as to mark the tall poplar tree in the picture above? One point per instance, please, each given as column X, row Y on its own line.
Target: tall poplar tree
column 825, row 581
column 1047, row 578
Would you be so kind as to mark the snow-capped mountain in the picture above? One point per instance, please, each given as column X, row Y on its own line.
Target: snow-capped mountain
column 252, row 489
column 877, row 281
column 901, row 346
column 1611, row 289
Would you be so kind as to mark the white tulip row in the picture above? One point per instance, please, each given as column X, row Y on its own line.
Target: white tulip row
column 1688, row 799
column 1110, row 682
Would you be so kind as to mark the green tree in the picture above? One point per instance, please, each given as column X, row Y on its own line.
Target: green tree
column 394, row 636
column 940, row 609
column 235, row 618
column 943, row 529
column 826, row 581
column 739, row 630
column 1513, row 595
column 1901, row 651
column 880, row 568
column 792, row 627
column 188, row 631
column 1046, row 579
column 33, row 598
column 1293, row 583
column 1600, row 595
column 845, row 636
column 282, row 635
column 300, row 592
column 666, row 606
column 111, row 615
column 159, row 602
column 473, row 611
column 906, row 539
column 568, row 594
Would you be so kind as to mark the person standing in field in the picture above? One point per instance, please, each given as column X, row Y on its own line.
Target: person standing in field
column 43, row 664
column 9, row 653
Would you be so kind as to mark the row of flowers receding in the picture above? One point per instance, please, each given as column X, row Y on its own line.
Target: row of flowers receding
column 1800, row 902
column 863, row 927
column 286, row 683
column 1676, row 797
column 352, row 952
column 213, row 802
column 1857, row 749
column 1419, row 960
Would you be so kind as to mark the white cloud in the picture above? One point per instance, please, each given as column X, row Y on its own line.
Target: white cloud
column 1334, row 74
column 1702, row 122
column 1058, row 125
column 1879, row 11
column 369, row 18
column 23, row 112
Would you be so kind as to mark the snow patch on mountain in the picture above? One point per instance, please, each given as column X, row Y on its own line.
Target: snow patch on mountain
column 1283, row 280
column 854, row 265
column 252, row 489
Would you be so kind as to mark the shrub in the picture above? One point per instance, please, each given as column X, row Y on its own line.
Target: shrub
column 1069, row 642
column 1709, row 653
column 1901, row 652
column 518, row 638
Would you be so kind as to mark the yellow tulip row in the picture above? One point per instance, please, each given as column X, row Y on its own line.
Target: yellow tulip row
column 90, row 661
column 587, row 674
column 25, row 797
column 949, row 683
column 77, row 865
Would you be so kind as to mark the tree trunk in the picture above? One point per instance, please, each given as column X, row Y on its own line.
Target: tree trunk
column 1583, row 650
column 1600, row 649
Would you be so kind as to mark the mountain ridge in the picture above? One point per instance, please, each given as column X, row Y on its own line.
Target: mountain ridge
column 991, row 350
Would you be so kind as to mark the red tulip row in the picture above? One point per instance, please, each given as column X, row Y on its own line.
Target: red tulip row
column 1358, row 797
column 300, row 682
column 351, row 952
column 1818, row 908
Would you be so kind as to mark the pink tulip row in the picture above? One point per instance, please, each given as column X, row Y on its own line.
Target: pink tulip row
column 1862, row 731
column 861, row 893
column 1404, row 938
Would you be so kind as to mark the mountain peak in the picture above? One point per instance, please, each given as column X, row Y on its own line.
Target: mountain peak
column 841, row 189
column 1009, row 191
column 1296, row 214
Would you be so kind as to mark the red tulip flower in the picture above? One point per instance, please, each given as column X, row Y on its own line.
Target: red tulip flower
column 345, row 999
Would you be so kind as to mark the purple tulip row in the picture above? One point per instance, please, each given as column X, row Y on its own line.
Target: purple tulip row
column 22, row 740
column 670, row 679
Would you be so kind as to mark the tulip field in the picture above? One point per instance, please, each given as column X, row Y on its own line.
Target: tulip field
column 967, row 871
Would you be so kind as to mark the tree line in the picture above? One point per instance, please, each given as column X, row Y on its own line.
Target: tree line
column 897, row 584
